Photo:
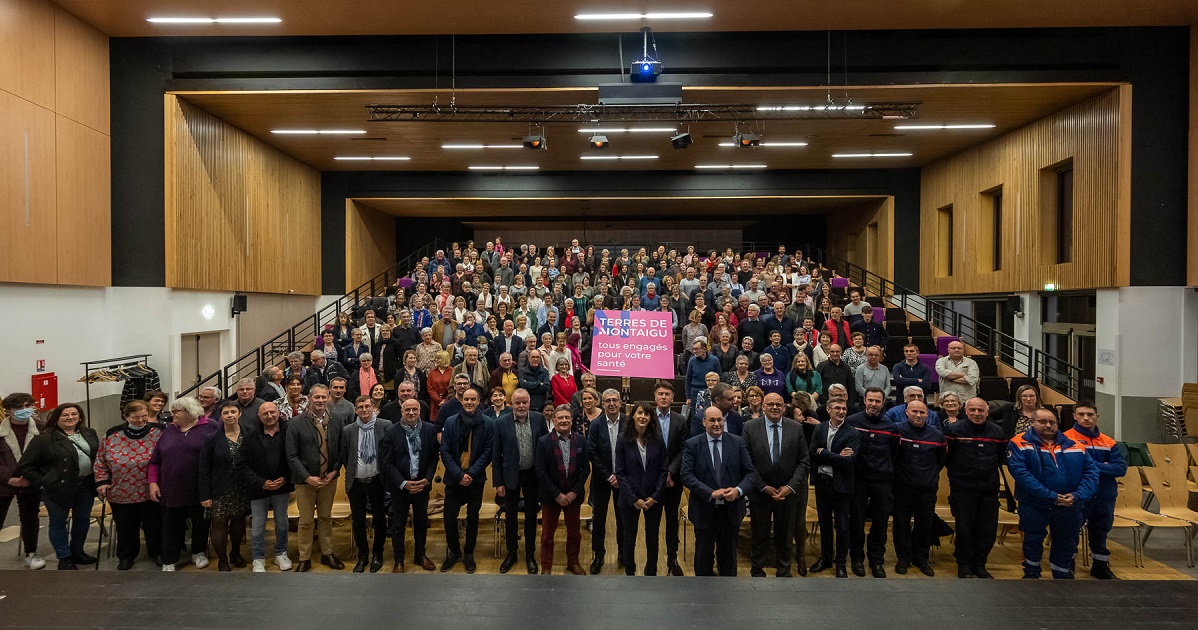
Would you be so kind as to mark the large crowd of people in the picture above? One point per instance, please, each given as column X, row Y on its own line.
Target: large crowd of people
column 474, row 369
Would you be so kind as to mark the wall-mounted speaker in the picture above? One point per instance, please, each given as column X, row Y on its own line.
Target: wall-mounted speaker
column 240, row 303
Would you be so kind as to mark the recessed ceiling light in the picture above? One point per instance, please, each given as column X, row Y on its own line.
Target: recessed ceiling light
column 980, row 126
column 769, row 144
column 618, row 157
column 381, row 158
column 811, row 108
column 504, row 168
column 663, row 15
column 313, row 132
column 482, row 146
column 630, row 130
column 726, row 166
column 202, row 20
column 869, row 155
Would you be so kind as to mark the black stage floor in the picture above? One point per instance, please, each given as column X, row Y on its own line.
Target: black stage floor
column 107, row 599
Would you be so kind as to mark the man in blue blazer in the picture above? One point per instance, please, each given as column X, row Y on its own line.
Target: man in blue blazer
column 467, row 444
column 514, row 475
column 718, row 470
column 409, row 452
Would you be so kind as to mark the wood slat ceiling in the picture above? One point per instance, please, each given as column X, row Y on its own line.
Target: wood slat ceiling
column 1008, row 106
column 622, row 207
column 127, row 18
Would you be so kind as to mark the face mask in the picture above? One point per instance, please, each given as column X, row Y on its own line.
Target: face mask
column 23, row 414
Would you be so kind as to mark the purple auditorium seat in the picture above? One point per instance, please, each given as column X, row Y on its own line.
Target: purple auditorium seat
column 942, row 344
column 840, row 283
column 930, row 361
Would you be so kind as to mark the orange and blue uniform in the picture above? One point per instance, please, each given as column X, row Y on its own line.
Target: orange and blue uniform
column 1100, row 511
column 1042, row 473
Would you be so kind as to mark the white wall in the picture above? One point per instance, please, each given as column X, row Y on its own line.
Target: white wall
column 1028, row 327
column 83, row 324
column 1151, row 332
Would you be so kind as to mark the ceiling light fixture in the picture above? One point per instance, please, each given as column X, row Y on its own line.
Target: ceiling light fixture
column 534, row 142
column 504, row 168
column 727, row 166
column 630, row 130
column 599, row 141
column 746, row 140
column 392, row 158
column 200, row 20
column 682, row 140
column 618, row 157
column 869, row 155
column 664, row 15
column 313, row 132
column 914, row 127
column 482, row 146
column 769, row 144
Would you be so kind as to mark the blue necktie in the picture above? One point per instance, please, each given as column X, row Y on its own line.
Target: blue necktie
column 719, row 462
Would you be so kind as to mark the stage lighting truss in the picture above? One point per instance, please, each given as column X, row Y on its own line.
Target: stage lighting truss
column 607, row 114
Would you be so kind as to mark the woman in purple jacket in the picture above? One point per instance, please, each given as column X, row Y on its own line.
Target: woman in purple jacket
column 174, row 481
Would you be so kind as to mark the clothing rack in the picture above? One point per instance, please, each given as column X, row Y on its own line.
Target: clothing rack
column 114, row 367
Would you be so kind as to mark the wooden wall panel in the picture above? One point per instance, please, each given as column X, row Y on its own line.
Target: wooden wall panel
column 1089, row 133
column 865, row 236
column 28, row 224
column 27, row 50
column 240, row 215
column 81, row 72
column 369, row 242
column 84, row 205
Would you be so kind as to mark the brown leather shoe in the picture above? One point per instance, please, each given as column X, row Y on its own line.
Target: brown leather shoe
column 398, row 568
column 577, row 569
column 428, row 564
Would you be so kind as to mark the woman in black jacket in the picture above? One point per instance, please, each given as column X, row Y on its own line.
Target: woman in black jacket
column 222, row 487
column 60, row 462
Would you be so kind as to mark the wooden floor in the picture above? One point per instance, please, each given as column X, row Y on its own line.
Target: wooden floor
column 1004, row 559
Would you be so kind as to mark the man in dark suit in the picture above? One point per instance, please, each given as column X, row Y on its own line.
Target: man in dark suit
column 562, row 469
column 717, row 468
column 466, row 448
column 723, row 396
column 674, row 432
column 780, row 457
column 514, row 475
column 409, row 452
column 834, row 455
column 364, row 481
column 605, row 489
column 508, row 341
column 323, row 371
column 550, row 326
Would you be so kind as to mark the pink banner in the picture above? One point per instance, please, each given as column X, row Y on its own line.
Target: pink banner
column 633, row 344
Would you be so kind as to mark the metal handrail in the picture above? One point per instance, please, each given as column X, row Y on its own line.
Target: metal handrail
column 1051, row 371
column 252, row 363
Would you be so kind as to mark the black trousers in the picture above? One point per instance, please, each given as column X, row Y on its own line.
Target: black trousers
column 632, row 521
column 671, row 501
column 29, row 501
column 834, row 509
column 911, row 543
column 781, row 515
column 174, row 527
column 874, row 500
column 131, row 520
column 457, row 496
column 976, row 514
column 368, row 496
column 717, row 542
column 798, row 525
column 603, row 494
column 527, row 489
column 401, row 501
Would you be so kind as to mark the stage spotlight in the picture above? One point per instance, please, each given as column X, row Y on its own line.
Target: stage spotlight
column 746, row 140
column 534, row 142
column 682, row 140
column 599, row 141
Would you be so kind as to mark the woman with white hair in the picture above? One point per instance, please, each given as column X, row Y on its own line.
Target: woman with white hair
column 174, row 481
column 273, row 388
column 426, row 350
